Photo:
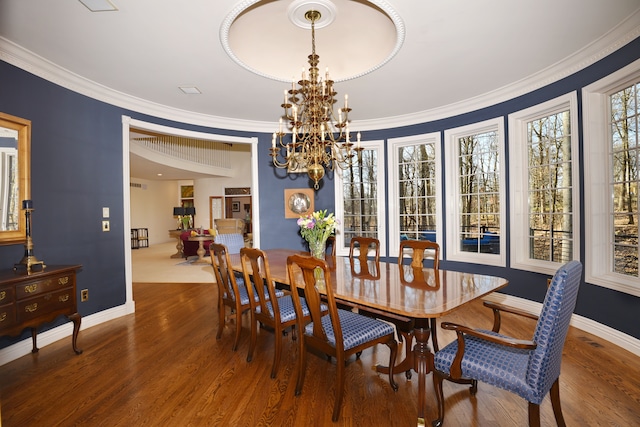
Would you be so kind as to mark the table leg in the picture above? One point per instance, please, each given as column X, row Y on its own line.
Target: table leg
column 420, row 360
column 201, row 253
column 179, row 249
column 76, row 318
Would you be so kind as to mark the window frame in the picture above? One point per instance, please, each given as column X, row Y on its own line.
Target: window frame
column 392, row 180
column 519, row 181
column 597, row 139
column 341, row 250
column 451, row 154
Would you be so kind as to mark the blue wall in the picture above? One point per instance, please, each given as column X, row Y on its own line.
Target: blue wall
column 77, row 169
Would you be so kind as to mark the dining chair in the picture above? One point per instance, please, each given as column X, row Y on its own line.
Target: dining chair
column 232, row 291
column 420, row 251
column 361, row 247
column 528, row 368
column 331, row 245
column 338, row 333
column 267, row 308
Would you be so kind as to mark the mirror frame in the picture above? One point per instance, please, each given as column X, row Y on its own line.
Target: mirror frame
column 23, row 126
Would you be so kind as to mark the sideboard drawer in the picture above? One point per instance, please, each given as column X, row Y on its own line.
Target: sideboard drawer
column 35, row 287
column 54, row 302
column 7, row 295
column 7, row 316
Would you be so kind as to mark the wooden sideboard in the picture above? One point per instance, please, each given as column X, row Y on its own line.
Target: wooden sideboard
column 30, row 300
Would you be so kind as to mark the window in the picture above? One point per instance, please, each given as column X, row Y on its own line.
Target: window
column 543, row 146
column 475, row 193
column 611, row 116
column 414, row 191
column 359, row 198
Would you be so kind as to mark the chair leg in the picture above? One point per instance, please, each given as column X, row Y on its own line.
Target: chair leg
column 238, row 329
column 555, row 402
column 437, row 385
column 277, row 353
column 254, row 338
column 393, row 346
column 340, row 364
column 221, row 314
column 534, row 415
column 434, row 336
column 302, row 354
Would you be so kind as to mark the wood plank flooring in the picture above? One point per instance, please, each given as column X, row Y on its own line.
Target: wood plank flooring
column 163, row 366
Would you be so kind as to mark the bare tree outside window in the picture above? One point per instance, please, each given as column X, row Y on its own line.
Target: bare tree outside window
column 417, row 191
column 550, row 188
column 479, row 181
column 625, row 112
column 360, row 191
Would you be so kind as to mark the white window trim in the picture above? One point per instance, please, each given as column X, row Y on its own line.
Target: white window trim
column 595, row 97
column 378, row 146
column 451, row 151
column 394, row 215
column 519, row 181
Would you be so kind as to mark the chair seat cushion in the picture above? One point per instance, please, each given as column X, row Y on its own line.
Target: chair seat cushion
column 495, row 364
column 356, row 329
column 244, row 293
column 287, row 309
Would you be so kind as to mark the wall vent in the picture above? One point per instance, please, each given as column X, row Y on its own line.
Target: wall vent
column 137, row 185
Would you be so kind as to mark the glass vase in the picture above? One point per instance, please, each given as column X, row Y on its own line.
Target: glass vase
column 318, row 248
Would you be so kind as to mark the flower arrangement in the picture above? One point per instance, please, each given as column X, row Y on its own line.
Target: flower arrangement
column 316, row 228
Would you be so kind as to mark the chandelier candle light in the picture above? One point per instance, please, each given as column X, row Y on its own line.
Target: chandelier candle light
column 316, row 132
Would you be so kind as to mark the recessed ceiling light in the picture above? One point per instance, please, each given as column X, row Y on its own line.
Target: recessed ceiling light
column 159, row 174
column 99, row 5
column 190, row 90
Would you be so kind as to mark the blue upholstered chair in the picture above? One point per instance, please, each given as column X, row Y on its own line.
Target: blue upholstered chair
column 527, row 368
column 234, row 242
column 232, row 291
column 340, row 333
column 267, row 308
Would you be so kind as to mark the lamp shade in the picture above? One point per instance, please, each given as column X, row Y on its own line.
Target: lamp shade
column 179, row 211
column 190, row 210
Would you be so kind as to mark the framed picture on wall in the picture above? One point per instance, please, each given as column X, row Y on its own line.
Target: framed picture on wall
column 297, row 202
column 235, row 206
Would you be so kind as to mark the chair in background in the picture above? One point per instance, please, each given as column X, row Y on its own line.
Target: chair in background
column 361, row 246
column 229, row 226
column 267, row 308
column 331, row 245
column 232, row 291
column 233, row 241
column 340, row 333
column 420, row 250
column 527, row 368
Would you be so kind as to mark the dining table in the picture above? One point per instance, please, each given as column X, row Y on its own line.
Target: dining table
column 415, row 293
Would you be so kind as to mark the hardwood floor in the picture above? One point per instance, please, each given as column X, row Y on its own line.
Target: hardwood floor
column 162, row 366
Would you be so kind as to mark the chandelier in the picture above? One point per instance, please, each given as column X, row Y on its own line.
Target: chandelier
column 319, row 139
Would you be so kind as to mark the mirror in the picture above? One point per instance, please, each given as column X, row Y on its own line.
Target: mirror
column 15, row 176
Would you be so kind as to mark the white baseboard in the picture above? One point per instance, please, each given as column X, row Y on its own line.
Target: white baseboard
column 23, row 347
column 614, row 336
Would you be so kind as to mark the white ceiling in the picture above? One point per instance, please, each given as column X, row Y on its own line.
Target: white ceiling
column 454, row 53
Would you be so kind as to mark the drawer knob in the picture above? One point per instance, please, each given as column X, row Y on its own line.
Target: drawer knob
column 63, row 280
column 31, row 288
column 31, row 307
column 3, row 295
column 63, row 298
column 3, row 316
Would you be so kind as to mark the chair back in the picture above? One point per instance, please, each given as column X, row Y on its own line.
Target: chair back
column 331, row 245
column 234, row 242
column 229, row 225
column 420, row 249
column 360, row 245
column 552, row 327
column 227, row 285
column 255, row 267
column 302, row 271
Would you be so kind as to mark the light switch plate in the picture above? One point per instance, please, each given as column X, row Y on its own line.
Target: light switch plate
column 105, row 226
column 105, row 212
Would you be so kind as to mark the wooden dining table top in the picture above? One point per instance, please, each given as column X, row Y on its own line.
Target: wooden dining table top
column 402, row 290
